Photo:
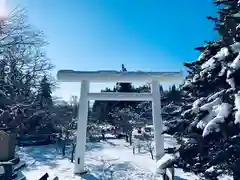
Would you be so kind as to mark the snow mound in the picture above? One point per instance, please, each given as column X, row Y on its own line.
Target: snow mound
column 164, row 162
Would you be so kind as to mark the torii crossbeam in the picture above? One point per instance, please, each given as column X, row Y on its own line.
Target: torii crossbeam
column 85, row 77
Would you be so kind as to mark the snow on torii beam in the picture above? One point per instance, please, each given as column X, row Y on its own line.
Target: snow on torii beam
column 112, row 76
column 125, row 77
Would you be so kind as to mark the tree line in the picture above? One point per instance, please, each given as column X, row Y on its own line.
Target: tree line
column 126, row 115
column 26, row 84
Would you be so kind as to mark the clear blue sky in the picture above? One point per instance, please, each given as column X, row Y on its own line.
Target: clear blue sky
column 102, row 34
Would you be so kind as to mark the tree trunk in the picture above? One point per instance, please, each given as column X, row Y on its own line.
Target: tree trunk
column 63, row 148
column 139, row 147
column 151, row 152
column 103, row 136
column 73, row 150
column 126, row 138
column 130, row 138
column 138, row 144
column 125, row 134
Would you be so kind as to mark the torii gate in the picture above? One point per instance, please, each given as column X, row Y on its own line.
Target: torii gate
column 85, row 77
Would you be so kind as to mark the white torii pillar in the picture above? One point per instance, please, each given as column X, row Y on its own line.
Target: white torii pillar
column 85, row 77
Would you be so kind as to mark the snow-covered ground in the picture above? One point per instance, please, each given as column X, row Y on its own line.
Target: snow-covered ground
column 112, row 159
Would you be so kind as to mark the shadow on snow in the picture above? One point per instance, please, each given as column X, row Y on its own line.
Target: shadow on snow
column 49, row 155
column 89, row 177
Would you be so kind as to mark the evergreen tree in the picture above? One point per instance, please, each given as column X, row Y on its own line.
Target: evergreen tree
column 44, row 94
column 101, row 109
column 173, row 94
column 208, row 118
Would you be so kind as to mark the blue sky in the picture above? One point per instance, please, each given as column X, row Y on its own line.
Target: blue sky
column 147, row 35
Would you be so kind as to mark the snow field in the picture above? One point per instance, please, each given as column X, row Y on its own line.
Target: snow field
column 112, row 159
